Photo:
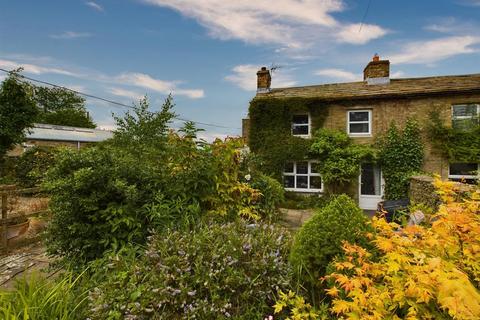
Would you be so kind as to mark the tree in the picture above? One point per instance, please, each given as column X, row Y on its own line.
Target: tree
column 62, row 107
column 18, row 112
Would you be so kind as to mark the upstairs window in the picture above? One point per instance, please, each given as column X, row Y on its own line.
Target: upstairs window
column 465, row 116
column 359, row 122
column 468, row 172
column 302, row 176
column 301, row 125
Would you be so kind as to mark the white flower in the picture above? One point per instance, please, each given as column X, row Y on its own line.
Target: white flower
column 248, row 177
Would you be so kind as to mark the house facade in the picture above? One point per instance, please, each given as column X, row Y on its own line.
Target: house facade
column 364, row 110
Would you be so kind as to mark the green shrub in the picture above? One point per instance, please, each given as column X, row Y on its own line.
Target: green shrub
column 32, row 166
column 320, row 238
column 294, row 200
column 98, row 198
column 38, row 298
column 272, row 195
column 213, row 272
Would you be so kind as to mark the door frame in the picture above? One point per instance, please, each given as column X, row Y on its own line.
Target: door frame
column 370, row 198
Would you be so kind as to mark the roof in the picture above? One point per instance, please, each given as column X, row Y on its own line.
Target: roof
column 396, row 88
column 64, row 133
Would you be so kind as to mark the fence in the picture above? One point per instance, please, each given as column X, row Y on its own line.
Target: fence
column 6, row 193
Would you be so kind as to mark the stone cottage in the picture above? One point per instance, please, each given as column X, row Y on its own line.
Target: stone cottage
column 364, row 110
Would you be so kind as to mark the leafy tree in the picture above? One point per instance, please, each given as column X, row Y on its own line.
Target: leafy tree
column 62, row 107
column 17, row 112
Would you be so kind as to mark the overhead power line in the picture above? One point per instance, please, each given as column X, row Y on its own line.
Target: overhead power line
column 365, row 15
column 114, row 103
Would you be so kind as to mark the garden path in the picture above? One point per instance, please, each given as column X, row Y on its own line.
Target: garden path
column 23, row 262
column 295, row 218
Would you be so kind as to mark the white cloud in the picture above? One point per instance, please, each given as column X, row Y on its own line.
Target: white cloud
column 35, row 69
column 425, row 52
column 135, row 96
column 146, row 81
column 397, row 74
column 94, row 5
column 360, row 34
column 292, row 24
column 70, row 35
column 245, row 77
column 338, row 74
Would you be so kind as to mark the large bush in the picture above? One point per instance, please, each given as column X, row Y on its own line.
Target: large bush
column 213, row 272
column 146, row 178
column 320, row 238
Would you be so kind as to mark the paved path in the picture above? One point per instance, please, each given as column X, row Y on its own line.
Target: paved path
column 22, row 263
column 293, row 218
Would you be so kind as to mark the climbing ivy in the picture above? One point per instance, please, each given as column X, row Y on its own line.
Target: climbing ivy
column 270, row 130
column 339, row 157
column 459, row 145
column 401, row 155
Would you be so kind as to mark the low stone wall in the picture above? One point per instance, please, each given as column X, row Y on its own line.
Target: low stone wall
column 422, row 191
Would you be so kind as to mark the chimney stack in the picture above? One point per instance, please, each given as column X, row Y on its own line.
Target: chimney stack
column 377, row 71
column 264, row 79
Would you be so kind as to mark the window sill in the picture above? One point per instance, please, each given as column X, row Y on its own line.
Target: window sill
column 360, row 135
column 304, row 190
column 304, row 136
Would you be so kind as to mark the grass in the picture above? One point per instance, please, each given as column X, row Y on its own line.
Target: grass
column 38, row 298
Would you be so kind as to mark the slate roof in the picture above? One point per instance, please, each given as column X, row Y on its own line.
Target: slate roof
column 396, row 88
column 65, row 133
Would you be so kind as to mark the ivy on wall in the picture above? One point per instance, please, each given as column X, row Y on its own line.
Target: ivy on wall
column 401, row 154
column 270, row 130
column 339, row 158
column 456, row 145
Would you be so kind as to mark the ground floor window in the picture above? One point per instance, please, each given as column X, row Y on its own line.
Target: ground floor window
column 461, row 171
column 302, row 176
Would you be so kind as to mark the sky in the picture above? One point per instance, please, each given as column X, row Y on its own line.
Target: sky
column 206, row 52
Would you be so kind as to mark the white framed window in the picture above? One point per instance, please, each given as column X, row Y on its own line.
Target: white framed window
column 465, row 116
column 301, row 125
column 359, row 122
column 302, row 176
column 464, row 171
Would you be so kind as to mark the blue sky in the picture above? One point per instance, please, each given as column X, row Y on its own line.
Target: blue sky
column 206, row 52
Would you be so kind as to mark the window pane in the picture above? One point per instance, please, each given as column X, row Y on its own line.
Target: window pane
column 300, row 130
column 302, row 167
column 370, row 180
column 358, row 127
column 300, row 119
column 302, row 182
column 289, row 181
column 467, row 110
column 314, row 167
column 315, row 182
column 463, row 169
column 288, row 167
column 358, row 115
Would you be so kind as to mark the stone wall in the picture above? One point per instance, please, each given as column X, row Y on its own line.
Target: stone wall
column 377, row 69
column 422, row 191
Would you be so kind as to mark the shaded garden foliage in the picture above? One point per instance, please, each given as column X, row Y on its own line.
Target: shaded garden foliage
column 215, row 271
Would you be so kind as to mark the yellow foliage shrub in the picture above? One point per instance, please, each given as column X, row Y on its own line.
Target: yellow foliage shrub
column 424, row 272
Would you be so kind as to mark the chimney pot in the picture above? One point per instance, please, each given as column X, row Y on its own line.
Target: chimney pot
column 376, row 57
column 264, row 80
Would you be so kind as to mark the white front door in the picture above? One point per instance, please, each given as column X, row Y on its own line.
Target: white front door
column 371, row 187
